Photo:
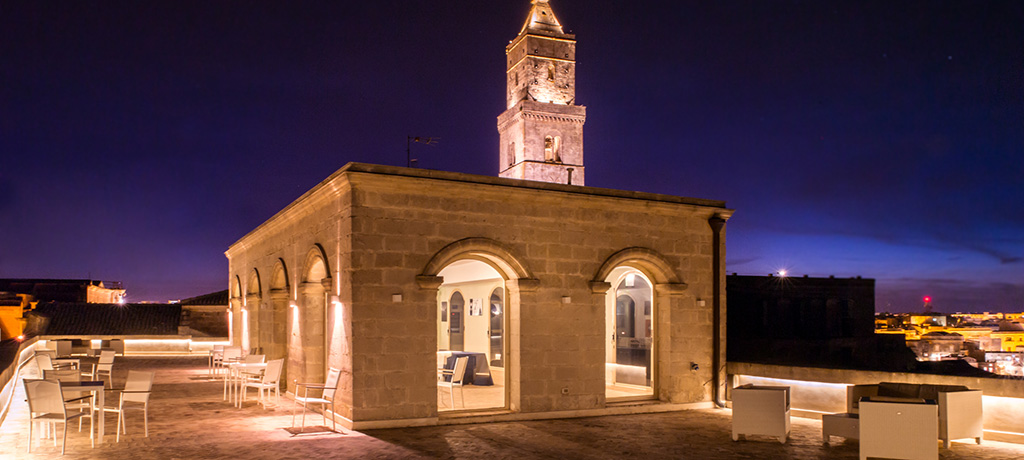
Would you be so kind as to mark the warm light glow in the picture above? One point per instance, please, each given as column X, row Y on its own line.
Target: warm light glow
column 293, row 304
column 630, row 279
column 21, row 337
column 782, row 273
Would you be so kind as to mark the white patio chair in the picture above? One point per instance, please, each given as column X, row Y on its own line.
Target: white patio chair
column 71, row 375
column 228, row 354
column 46, row 404
column 137, row 389
column 457, row 376
column 270, row 381
column 105, row 367
column 327, row 397
column 216, row 357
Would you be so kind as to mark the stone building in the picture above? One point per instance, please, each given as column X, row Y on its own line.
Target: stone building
column 570, row 300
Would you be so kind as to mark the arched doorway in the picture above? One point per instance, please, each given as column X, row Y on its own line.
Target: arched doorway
column 637, row 284
column 629, row 326
column 466, row 323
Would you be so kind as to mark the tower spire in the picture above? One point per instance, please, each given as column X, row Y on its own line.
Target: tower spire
column 542, row 18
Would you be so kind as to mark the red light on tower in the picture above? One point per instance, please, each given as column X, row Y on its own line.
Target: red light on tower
column 927, row 299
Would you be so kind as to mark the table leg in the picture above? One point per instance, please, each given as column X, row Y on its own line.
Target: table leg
column 100, row 424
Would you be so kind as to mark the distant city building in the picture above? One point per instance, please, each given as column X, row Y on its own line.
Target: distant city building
column 60, row 290
column 205, row 315
column 20, row 295
column 973, row 337
column 808, row 321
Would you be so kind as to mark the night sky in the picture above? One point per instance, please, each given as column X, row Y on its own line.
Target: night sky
column 883, row 139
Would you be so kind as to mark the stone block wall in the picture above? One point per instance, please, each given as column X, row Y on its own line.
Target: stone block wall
column 387, row 231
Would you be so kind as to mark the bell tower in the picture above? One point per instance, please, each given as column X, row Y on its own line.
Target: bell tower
column 541, row 130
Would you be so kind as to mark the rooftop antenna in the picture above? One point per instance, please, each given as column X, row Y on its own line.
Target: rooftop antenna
column 409, row 140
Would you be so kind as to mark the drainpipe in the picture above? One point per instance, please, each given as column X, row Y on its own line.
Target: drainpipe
column 717, row 223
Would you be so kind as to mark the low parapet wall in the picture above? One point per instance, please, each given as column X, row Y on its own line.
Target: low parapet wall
column 816, row 391
column 9, row 375
column 136, row 345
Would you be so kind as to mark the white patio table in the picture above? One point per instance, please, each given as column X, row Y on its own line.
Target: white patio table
column 95, row 387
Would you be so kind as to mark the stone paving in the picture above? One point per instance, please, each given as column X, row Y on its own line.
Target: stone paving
column 188, row 419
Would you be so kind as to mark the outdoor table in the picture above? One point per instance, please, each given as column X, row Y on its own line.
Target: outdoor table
column 478, row 372
column 71, row 389
column 237, row 379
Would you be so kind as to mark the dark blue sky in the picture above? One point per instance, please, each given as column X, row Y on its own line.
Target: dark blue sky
column 874, row 138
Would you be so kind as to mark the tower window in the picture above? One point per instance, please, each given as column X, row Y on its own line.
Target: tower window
column 511, row 153
column 551, row 145
column 551, row 72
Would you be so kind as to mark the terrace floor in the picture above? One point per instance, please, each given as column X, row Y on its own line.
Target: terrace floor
column 188, row 419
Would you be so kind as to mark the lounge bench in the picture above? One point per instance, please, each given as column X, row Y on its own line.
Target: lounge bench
column 959, row 408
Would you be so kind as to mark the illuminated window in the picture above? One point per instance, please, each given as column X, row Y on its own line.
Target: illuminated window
column 551, row 145
column 551, row 71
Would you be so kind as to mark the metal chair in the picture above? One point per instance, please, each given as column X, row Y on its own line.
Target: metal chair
column 457, row 376
column 104, row 367
column 137, row 389
column 327, row 397
column 270, row 381
column 46, row 403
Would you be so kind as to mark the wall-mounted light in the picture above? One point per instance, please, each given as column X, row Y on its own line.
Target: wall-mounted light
column 293, row 304
column 396, row 298
column 335, row 300
column 700, row 302
column 566, row 299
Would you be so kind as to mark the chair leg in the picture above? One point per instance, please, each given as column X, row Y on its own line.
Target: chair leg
column 64, row 442
column 145, row 417
column 30, row 423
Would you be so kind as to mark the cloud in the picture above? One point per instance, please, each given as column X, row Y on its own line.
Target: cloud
column 743, row 261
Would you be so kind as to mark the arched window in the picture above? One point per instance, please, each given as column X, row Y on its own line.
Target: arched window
column 551, row 145
column 551, row 71
column 511, row 153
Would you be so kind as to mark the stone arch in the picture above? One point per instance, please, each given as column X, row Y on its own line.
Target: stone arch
column 252, row 312
column 666, row 288
column 236, row 288
column 520, row 289
column 279, row 278
column 654, row 265
column 252, row 287
column 316, row 267
column 276, row 329
column 235, row 310
column 308, row 334
column 485, row 250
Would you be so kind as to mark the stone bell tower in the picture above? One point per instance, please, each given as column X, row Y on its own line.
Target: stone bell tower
column 541, row 130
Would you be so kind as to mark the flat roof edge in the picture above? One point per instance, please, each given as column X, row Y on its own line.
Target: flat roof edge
column 386, row 170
